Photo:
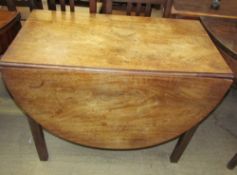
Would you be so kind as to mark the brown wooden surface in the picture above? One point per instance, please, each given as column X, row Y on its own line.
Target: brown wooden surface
column 9, row 27
column 224, row 34
column 6, row 17
column 115, row 42
column 113, row 110
column 202, row 8
column 140, row 84
column 223, row 31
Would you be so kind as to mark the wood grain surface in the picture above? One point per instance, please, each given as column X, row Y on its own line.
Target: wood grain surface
column 9, row 27
column 224, row 32
column 232, row 62
column 6, row 17
column 111, row 110
column 114, row 82
column 115, row 42
column 202, row 8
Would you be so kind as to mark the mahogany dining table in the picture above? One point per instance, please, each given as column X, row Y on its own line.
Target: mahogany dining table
column 113, row 82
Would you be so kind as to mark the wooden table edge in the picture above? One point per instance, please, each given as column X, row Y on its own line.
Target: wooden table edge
column 227, row 75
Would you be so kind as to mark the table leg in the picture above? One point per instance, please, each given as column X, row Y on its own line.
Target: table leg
column 38, row 136
column 233, row 162
column 182, row 143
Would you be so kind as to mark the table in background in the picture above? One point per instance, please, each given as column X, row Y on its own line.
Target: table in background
column 196, row 8
column 9, row 26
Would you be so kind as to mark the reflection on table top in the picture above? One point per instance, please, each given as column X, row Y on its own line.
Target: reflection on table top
column 115, row 42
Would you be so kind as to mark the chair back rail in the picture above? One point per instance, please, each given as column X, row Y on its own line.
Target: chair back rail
column 139, row 6
column 52, row 5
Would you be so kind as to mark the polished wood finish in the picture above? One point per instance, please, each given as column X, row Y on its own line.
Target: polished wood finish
column 181, row 145
column 151, row 49
column 38, row 136
column 224, row 34
column 233, row 162
column 9, row 27
column 139, row 7
column 138, row 85
column 113, row 110
column 52, row 5
column 198, row 8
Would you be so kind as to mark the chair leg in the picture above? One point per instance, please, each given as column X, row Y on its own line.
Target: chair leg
column 38, row 136
column 233, row 162
column 181, row 145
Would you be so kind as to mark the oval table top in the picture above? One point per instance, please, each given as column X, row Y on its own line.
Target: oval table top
column 87, row 78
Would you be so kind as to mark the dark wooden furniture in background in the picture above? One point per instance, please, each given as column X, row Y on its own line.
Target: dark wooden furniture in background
column 12, row 4
column 138, row 7
column 196, row 8
column 224, row 33
column 71, row 3
column 9, row 27
column 52, row 5
column 117, row 89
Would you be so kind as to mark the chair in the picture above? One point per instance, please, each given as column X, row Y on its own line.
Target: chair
column 52, row 5
column 139, row 7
